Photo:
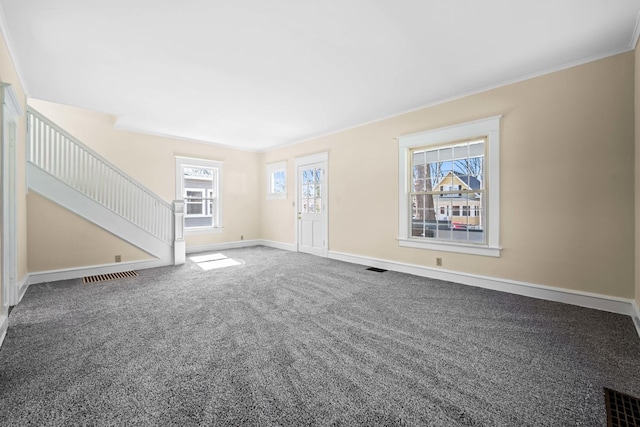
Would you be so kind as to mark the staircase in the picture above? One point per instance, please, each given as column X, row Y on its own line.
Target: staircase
column 67, row 172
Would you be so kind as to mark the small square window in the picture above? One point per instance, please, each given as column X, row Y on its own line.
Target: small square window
column 277, row 180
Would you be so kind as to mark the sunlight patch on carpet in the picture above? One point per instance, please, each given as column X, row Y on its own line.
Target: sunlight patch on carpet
column 213, row 261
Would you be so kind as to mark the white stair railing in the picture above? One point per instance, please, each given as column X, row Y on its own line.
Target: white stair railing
column 63, row 156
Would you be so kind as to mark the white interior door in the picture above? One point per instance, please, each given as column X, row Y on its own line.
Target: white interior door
column 311, row 177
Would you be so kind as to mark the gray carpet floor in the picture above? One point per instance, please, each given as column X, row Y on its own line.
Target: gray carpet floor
column 291, row 339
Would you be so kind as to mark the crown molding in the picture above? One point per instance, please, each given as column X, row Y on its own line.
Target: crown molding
column 472, row 92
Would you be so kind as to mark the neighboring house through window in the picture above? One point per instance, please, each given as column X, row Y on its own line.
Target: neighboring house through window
column 449, row 188
column 198, row 184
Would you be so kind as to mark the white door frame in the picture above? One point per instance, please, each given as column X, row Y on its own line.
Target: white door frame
column 307, row 160
column 10, row 112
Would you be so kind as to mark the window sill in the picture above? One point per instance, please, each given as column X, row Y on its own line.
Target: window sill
column 462, row 248
column 202, row 230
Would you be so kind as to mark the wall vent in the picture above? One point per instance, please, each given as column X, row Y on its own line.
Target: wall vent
column 109, row 276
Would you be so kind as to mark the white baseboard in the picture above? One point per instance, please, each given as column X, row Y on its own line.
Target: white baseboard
column 241, row 244
column 78, row 272
column 583, row 299
column 4, row 325
column 22, row 287
column 279, row 245
column 222, row 246
column 567, row 296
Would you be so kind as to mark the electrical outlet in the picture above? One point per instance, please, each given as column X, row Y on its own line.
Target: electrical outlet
column 118, row 258
column 242, row 237
column 439, row 262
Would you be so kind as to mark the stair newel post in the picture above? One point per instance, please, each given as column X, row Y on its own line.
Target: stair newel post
column 179, row 245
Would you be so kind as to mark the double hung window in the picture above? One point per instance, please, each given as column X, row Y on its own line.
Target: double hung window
column 449, row 188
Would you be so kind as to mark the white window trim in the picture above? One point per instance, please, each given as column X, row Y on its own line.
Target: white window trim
column 489, row 127
column 276, row 167
column 212, row 164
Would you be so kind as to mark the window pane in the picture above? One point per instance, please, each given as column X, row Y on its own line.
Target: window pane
column 425, row 225
column 277, row 182
column 199, row 195
column 454, row 177
column 194, row 209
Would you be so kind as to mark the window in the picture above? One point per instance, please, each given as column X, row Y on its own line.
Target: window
column 449, row 188
column 277, row 180
column 198, row 183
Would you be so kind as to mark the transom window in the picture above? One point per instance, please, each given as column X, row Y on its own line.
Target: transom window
column 198, row 184
column 449, row 188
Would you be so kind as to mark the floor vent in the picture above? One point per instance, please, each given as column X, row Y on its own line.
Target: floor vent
column 376, row 269
column 109, row 276
column 622, row 410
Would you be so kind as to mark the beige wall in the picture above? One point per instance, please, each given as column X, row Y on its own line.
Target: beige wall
column 48, row 239
column 151, row 160
column 9, row 75
column 573, row 127
column 637, row 172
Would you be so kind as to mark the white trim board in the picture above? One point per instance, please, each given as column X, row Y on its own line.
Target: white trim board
column 79, row 272
column 549, row 293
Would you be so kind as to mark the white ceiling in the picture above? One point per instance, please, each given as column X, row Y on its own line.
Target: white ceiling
column 256, row 74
